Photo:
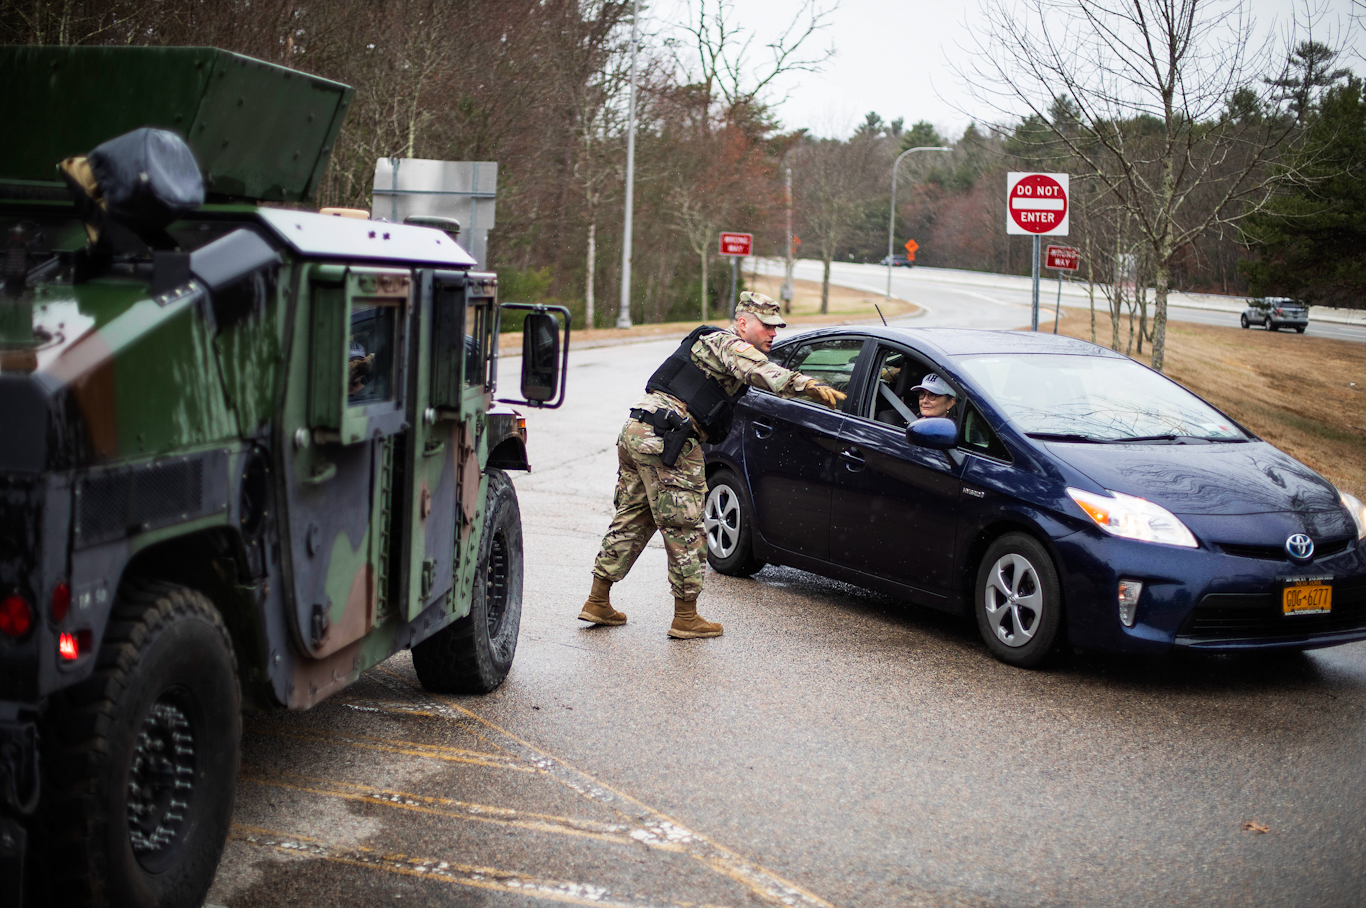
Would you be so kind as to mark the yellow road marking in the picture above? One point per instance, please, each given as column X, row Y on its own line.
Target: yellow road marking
column 652, row 825
column 364, row 704
column 447, row 807
column 408, row 748
column 478, row 877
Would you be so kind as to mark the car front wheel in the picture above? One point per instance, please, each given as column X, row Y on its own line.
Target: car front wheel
column 1270, row 325
column 1018, row 601
column 729, row 525
column 1242, row 319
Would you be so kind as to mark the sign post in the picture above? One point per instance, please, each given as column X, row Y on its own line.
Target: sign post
column 737, row 246
column 1036, row 205
column 1060, row 259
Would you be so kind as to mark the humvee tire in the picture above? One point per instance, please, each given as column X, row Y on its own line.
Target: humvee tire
column 473, row 655
column 159, row 724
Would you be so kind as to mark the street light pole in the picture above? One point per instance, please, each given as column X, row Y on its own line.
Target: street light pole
column 787, row 291
column 624, row 315
column 891, row 219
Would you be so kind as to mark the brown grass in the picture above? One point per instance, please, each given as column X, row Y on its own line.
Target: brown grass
column 845, row 306
column 1305, row 395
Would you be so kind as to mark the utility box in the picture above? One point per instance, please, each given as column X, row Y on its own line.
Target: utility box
column 419, row 187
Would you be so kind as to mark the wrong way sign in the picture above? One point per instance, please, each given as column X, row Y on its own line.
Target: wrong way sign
column 737, row 243
column 1036, row 204
column 1063, row 258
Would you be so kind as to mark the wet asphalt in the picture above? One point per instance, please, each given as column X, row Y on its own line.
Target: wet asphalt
column 835, row 747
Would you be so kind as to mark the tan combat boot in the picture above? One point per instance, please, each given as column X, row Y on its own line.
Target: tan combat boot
column 688, row 624
column 598, row 609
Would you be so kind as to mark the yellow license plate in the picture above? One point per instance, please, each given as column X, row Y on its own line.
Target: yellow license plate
column 1306, row 597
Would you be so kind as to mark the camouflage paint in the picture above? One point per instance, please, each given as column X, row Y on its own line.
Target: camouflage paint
column 248, row 355
column 143, row 378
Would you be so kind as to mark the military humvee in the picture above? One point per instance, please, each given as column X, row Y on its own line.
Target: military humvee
column 247, row 451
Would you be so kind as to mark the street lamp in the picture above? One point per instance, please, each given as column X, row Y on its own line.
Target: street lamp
column 891, row 220
column 624, row 314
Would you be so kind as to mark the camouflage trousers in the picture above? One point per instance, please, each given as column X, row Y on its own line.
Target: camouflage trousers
column 651, row 496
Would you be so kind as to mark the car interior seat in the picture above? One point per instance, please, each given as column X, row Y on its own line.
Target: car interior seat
column 900, row 384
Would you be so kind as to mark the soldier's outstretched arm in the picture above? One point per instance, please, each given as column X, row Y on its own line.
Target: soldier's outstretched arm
column 728, row 353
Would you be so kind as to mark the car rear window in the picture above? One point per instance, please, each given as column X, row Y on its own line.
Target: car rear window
column 830, row 359
column 1094, row 398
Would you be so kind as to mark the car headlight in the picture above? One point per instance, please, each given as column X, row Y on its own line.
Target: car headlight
column 1357, row 510
column 1133, row 518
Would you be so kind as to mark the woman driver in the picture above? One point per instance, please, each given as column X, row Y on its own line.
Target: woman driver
column 936, row 397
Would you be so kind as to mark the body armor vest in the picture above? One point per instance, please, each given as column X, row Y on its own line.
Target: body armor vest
column 707, row 402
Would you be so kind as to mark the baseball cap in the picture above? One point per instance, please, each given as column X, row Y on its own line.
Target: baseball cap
column 762, row 307
column 935, row 385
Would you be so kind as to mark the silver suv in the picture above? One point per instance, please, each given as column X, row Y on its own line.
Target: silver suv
column 1276, row 312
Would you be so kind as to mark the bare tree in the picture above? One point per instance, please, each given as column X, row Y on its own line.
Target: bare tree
column 1146, row 81
column 697, row 223
column 837, row 180
column 717, row 55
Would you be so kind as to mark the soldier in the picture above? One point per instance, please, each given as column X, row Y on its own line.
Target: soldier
column 661, row 478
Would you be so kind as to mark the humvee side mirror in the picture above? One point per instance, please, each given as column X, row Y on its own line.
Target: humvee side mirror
column 544, row 360
column 540, row 356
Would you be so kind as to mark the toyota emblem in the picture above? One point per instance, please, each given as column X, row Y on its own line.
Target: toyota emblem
column 1299, row 547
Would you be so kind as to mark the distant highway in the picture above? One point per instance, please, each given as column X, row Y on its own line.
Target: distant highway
column 968, row 299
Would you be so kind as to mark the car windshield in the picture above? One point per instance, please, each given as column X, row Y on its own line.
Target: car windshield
column 1094, row 399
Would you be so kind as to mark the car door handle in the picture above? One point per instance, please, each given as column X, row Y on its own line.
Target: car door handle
column 852, row 459
column 762, row 429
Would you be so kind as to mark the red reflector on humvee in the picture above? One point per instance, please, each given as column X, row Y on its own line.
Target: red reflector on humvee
column 16, row 615
column 61, row 601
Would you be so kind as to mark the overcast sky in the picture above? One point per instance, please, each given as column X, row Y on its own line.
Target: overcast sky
column 894, row 56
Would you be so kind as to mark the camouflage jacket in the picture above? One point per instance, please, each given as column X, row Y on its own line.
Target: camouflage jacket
column 732, row 362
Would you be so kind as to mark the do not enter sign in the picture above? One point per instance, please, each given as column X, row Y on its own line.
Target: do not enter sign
column 1036, row 204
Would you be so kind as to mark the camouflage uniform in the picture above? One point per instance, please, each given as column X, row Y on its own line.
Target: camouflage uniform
column 651, row 496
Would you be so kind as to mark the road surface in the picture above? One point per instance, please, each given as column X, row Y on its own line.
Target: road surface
column 835, row 748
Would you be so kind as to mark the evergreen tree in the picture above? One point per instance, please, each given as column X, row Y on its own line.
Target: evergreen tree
column 1311, row 242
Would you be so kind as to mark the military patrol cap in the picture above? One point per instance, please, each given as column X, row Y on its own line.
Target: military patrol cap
column 762, row 307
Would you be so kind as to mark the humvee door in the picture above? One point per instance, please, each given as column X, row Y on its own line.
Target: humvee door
column 346, row 422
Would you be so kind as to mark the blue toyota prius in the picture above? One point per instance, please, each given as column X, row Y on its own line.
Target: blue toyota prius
column 1067, row 494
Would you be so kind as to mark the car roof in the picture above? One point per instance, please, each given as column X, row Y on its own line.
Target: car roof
column 954, row 342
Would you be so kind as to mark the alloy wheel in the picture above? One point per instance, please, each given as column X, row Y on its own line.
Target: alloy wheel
column 1014, row 600
column 721, row 520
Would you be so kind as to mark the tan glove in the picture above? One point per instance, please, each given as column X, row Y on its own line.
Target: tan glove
column 825, row 394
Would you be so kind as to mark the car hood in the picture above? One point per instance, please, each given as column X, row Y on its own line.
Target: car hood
column 1206, row 479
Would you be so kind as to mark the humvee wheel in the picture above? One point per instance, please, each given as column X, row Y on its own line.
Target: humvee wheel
column 140, row 771
column 473, row 655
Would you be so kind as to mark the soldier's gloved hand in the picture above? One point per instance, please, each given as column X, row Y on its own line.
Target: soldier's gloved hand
column 825, row 394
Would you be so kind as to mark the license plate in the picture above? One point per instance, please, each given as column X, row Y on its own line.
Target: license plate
column 1307, row 597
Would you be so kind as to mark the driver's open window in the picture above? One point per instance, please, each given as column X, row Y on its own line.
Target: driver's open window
column 892, row 401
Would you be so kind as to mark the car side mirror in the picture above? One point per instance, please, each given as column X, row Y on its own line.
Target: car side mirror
column 936, row 432
column 544, row 358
